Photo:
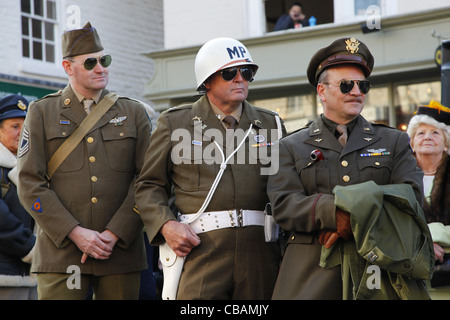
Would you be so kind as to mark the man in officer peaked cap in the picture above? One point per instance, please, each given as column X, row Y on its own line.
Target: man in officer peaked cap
column 348, row 150
column 93, row 224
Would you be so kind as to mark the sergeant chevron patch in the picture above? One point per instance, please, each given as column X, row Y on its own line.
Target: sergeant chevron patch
column 25, row 143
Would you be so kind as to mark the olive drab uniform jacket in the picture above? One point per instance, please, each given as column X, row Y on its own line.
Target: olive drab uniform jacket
column 192, row 173
column 93, row 187
column 303, row 203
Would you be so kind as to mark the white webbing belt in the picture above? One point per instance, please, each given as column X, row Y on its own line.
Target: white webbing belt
column 214, row 220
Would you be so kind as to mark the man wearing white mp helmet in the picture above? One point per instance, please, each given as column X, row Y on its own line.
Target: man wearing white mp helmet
column 218, row 227
column 219, row 54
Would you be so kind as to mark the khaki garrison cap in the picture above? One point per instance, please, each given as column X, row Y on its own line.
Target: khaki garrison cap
column 341, row 51
column 81, row 41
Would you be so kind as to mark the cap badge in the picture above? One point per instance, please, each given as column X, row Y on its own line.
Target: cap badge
column 21, row 105
column 352, row 45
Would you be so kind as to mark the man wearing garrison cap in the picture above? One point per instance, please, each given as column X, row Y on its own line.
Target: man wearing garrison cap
column 324, row 235
column 84, row 205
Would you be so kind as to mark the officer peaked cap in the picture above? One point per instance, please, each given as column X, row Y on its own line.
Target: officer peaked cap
column 341, row 51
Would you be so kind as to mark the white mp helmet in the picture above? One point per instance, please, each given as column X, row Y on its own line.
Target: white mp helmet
column 218, row 54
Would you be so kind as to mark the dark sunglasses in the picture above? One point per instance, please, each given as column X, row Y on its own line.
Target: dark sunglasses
column 230, row 73
column 347, row 85
column 90, row 63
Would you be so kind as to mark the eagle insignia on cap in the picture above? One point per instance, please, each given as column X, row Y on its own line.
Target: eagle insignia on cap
column 21, row 105
column 352, row 45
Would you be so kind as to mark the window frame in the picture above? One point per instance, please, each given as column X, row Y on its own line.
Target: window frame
column 30, row 63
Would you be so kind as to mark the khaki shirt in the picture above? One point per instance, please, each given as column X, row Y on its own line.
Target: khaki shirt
column 93, row 187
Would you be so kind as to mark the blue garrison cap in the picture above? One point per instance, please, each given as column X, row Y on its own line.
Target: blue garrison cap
column 13, row 106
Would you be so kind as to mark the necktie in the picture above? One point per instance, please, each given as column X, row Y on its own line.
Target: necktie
column 230, row 121
column 87, row 105
column 342, row 129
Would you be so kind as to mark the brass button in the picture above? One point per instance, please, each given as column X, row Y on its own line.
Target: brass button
column 64, row 133
column 346, row 178
column 121, row 134
column 67, row 101
column 293, row 237
column 92, row 159
column 94, row 200
column 90, row 140
column 344, row 163
column 94, row 179
column 377, row 163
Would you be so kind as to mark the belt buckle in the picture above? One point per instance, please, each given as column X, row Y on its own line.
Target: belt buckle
column 236, row 220
column 240, row 215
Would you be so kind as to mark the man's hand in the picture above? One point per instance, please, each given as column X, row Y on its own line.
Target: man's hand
column 92, row 243
column 438, row 252
column 343, row 230
column 180, row 237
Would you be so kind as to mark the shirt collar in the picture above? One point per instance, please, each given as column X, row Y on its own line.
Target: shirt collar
column 237, row 113
column 80, row 97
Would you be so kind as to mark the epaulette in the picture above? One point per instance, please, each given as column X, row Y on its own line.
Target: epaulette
column 381, row 125
column 51, row 95
column 264, row 110
column 180, row 107
column 306, row 126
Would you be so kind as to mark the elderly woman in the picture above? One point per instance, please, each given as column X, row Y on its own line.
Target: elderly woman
column 429, row 130
column 16, row 225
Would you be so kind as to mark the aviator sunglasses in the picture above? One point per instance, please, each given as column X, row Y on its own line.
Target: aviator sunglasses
column 347, row 85
column 230, row 73
column 90, row 63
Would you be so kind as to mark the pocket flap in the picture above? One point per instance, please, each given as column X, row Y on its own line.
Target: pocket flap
column 300, row 238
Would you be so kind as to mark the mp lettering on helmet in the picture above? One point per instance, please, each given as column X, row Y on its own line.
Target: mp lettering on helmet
column 236, row 51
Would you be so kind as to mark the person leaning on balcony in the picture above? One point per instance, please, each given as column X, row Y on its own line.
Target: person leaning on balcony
column 226, row 255
column 293, row 19
column 323, row 155
column 86, row 212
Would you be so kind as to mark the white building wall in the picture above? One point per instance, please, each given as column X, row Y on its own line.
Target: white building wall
column 193, row 22
column 128, row 29
column 407, row 6
column 9, row 37
column 344, row 10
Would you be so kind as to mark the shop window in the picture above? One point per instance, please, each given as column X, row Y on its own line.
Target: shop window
column 362, row 5
column 38, row 29
column 376, row 106
column 296, row 111
column 407, row 97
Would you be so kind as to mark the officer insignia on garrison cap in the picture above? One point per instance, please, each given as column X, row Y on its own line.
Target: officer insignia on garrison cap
column 341, row 51
column 81, row 41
